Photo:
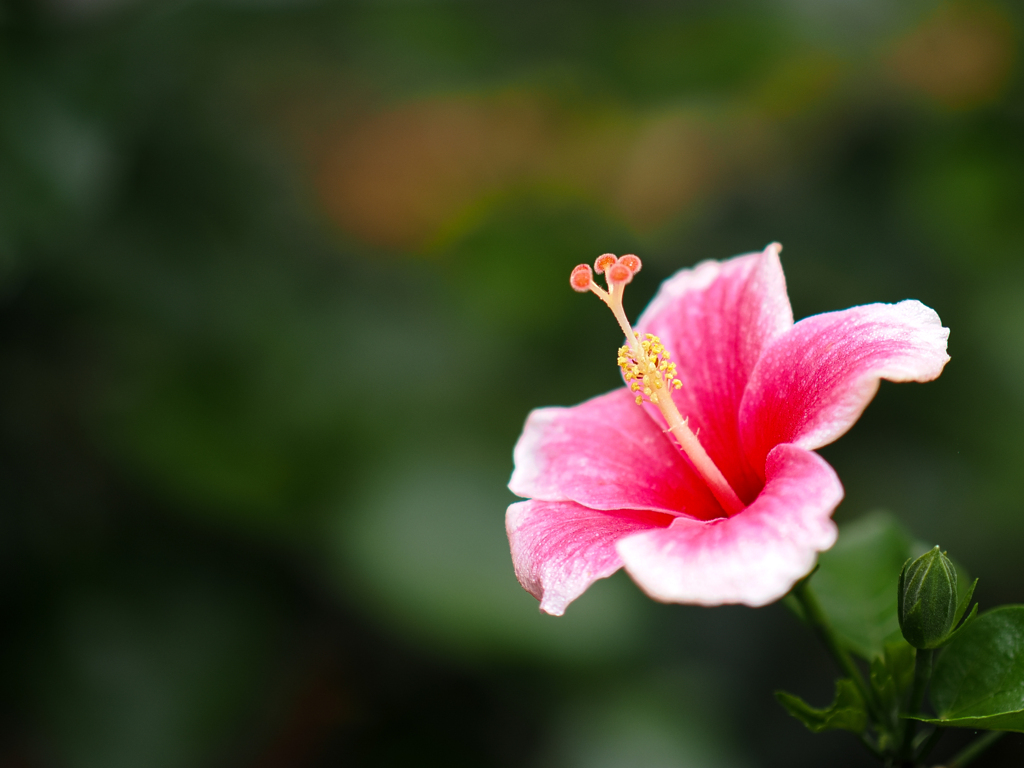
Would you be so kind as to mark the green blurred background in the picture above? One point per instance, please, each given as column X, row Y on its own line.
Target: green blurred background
column 281, row 279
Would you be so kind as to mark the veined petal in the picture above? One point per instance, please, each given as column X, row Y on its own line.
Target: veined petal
column 560, row 548
column 754, row 557
column 606, row 454
column 716, row 320
column 813, row 382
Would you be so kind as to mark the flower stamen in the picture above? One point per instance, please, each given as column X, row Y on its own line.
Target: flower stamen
column 647, row 370
column 655, row 371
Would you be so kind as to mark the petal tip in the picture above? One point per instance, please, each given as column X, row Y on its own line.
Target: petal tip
column 552, row 607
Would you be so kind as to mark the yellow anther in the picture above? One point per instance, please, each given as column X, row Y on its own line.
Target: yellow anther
column 639, row 400
column 646, row 368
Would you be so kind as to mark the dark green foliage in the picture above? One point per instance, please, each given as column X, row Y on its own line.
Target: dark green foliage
column 846, row 713
column 856, row 582
column 978, row 680
column 253, row 465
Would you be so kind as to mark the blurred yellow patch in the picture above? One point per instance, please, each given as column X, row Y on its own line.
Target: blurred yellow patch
column 665, row 168
column 394, row 177
column 798, row 84
column 401, row 178
column 961, row 56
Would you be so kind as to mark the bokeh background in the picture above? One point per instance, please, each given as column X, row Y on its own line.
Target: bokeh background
column 281, row 279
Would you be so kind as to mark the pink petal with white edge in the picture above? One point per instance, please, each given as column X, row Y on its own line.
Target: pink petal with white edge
column 715, row 320
column 813, row 382
column 561, row 548
column 753, row 558
column 607, row 453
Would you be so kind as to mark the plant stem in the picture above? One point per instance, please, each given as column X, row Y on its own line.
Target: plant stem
column 870, row 747
column 817, row 619
column 975, row 748
column 922, row 674
column 928, row 744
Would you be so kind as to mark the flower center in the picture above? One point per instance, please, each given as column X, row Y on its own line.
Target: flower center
column 646, row 368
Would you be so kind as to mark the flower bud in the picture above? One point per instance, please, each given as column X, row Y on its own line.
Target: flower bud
column 927, row 599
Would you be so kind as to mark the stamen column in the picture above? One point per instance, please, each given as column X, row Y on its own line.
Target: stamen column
column 655, row 377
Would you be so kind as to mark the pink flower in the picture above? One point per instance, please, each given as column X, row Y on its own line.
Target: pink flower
column 729, row 504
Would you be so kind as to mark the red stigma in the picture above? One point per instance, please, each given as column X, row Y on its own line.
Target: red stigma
column 603, row 262
column 619, row 273
column 581, row 278
column 630, row 262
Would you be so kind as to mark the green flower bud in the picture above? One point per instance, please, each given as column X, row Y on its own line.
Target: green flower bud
column 927, row 602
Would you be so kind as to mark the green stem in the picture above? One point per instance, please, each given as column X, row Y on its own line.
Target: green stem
column 870, row 746
column 975, row 748
column 922, row 674
column 817, row 619
column 928, row 744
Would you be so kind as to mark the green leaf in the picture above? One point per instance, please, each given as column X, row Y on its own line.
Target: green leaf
column 892, row 674
column 846, row 713
column 970, row 617
column 964, row 602
column 891, row 677
column 887, row 694
column 899, row 659
column 978, row 681
column 856, row 582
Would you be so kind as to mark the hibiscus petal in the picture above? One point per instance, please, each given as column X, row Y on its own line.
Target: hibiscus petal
column 754, row 557
column 813, row 382
column 560, row 548
column 715, row 320
column 606, row 454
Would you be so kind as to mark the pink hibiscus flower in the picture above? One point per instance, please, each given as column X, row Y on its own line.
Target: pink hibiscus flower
column 699, row 476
